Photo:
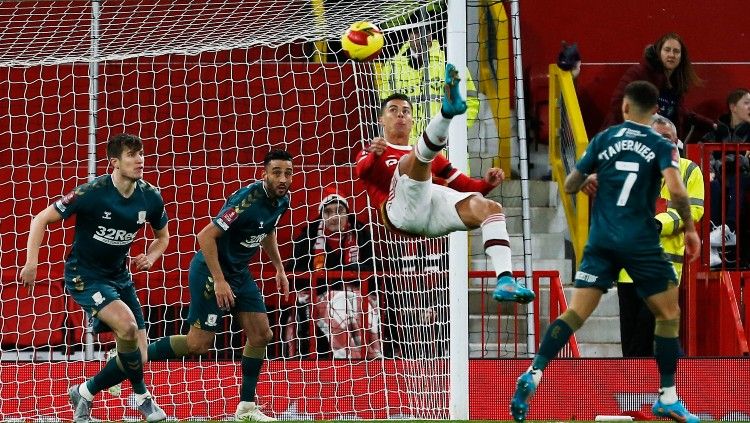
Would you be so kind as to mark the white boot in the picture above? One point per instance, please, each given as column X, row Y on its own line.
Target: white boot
column 248, row 411
column 722, row 235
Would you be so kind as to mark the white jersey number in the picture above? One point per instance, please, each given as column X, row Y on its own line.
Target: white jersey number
column 632, row 169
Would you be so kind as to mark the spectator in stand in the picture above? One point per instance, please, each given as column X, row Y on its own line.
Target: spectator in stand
column 423, row 58
column 336, row 241
column 569, row 59
column 733, row 127
column 667, row 65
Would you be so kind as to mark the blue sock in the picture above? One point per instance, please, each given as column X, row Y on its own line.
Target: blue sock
column 131, row 362
column 554, row 340
column 666, row 351
column 110, row 375
column 250, row 372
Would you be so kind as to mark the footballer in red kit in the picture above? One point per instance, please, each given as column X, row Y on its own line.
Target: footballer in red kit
column 418, row 192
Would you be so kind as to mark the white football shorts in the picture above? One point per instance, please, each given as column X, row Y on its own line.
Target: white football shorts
column 423, row 208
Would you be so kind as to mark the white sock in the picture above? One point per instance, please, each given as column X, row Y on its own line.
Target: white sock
column 140, row 398
column 85, row 393
column 433, row 139
column 496, row 243
column 668, row 395
column 536, row 374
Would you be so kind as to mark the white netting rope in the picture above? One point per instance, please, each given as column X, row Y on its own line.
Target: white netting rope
column 51, row 32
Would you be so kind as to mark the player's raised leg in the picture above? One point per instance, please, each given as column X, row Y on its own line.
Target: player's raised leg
column 666, row 311
column 479, row 212
column 416, row 164
column 258, row 334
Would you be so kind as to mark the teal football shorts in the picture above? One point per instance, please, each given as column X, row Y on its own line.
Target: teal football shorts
column 93, row 293
column 204, row 312
column 652, row 273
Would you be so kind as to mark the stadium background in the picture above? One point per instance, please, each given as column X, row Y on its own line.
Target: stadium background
column 722, row 61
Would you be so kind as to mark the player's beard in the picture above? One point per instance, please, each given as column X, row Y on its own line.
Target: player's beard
column 274, row 190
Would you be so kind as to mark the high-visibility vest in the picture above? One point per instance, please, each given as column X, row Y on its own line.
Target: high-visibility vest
column 397, row 76
column 672, row 238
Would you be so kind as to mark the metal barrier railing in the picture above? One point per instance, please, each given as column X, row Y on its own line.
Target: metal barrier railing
column 567, row 142
column 515, row 335
column 716, row 298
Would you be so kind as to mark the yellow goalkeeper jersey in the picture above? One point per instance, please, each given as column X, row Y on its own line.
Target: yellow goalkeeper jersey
column 671, row 237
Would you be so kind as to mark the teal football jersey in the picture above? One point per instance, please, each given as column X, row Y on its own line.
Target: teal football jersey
column 628, row 160
column 247, row 217
column 107, row 223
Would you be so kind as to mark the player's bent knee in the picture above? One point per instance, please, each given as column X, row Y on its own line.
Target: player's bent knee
column 266, row 337
column 260, row 338
column 493, row 206
column 127, row 332
column 485, row 207
column 668, row 313
column 198, row 346
column 199, row 342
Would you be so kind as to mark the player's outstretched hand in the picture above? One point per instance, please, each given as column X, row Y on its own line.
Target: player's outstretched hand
column 590, row 185
column 494, row 176
column 142, row 262
column 692, row 244
column 377, row 146
column 224, row 295
column 28, row 276
column 282, row 283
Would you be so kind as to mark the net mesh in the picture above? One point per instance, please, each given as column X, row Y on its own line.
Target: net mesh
column 211, row 87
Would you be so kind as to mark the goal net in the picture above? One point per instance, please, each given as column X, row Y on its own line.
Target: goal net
column 211, row 87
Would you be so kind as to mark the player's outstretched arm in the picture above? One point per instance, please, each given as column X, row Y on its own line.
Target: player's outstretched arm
column 271, row 247
column 207, row 240
column 36, row 233
column 154, row 250
column 681, row 203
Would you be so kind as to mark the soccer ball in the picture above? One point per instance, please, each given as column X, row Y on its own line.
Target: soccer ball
column 362, row 41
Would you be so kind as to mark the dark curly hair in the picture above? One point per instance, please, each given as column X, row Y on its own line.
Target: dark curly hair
column 276, row 155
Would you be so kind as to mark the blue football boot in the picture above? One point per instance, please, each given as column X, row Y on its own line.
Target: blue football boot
column 453, row 103
column 525, row 388
column 676, row 412
column 508, row 289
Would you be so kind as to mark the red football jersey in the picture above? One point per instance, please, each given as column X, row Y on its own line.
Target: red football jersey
column 376, row 172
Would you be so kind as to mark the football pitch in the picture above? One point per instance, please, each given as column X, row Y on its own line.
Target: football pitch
column 445, row 421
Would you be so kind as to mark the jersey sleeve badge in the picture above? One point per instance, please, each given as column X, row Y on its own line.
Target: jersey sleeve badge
column 227, row 218
column 63, row 203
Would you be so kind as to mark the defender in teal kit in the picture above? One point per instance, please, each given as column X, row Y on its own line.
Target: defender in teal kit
column 220, row 281
column 110, row 211
column 630, row 160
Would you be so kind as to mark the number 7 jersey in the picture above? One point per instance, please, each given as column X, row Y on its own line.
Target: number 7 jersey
column 628, row 160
